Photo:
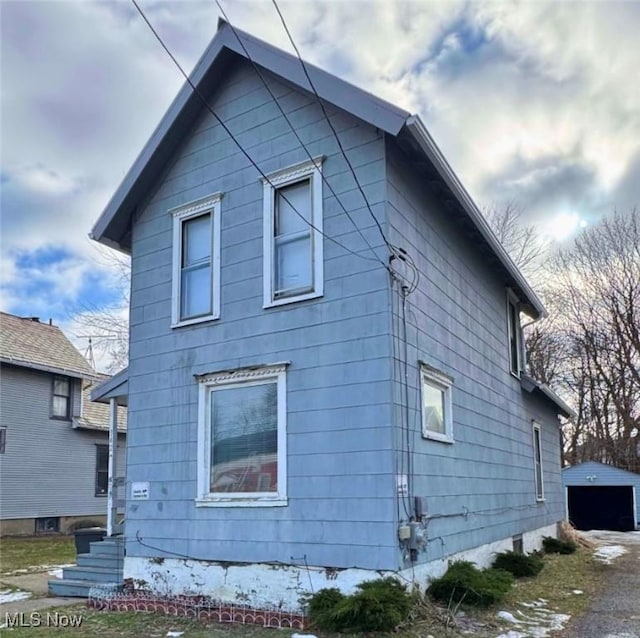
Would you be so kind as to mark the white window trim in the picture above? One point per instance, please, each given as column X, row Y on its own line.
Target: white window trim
column 311, row 170
column 253, row 376
column 209, row 204
column 440, row 381
column 512, row 300
column 537, row 428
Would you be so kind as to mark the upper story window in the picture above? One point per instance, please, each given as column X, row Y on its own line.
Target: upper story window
column 3, row 440
column 61, row 398
column 515, row 334
column 437, row 418
column 196, row 261
column 242, row 438
column 537, row 461
column 292, row 209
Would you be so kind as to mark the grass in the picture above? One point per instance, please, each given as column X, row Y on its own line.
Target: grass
column 30, row 553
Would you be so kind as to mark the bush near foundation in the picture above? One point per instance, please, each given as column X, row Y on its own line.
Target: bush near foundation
column 464, row 583
column 556, row 546
column 378, row 605
column 520, row 565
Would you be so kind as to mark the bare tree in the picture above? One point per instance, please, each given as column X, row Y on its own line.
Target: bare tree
column 106, row 328
column 598, row 300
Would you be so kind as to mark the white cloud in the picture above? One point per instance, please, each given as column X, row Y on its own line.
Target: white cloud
column 530, row 102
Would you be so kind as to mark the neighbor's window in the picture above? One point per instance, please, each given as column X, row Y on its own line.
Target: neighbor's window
column 102, row 469
column 293, row 234
column 196, row 261
column 437, row 422
column 61, row 401
column 515, row 338
column 242, row 437
column 537, row 459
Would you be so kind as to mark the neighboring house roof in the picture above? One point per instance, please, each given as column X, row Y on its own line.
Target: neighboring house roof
column 115, row 387
column 26, row 342
column 535, row 387
column 113, row 228
column 95, row 416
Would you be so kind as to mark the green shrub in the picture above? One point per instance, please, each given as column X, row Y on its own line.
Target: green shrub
column 519, row 565
column 464, row 582
column 556, row 546
column 378, row 605
column 321, row 606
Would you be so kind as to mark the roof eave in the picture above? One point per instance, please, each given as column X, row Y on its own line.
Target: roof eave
column 531, row 303
column 529, row 384
column 117, row 387
column 67, row 372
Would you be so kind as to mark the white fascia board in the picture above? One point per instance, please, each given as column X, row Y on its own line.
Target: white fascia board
column 419, row 131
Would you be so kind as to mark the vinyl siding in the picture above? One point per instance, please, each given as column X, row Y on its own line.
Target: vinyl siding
column 480, row 488
column 48, row 468
column 341, row 508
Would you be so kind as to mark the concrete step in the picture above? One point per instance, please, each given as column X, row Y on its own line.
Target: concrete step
column 109, row 546
column 100, row 560
column 93, row 574
column 70, row 587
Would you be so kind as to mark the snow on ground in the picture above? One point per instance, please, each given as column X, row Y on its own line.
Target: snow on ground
column 607, row 553
column 36, row 568
column 537, row 621
column 11, row 595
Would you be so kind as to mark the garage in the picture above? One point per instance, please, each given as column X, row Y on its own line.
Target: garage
column 601, row 507
column 600, row 496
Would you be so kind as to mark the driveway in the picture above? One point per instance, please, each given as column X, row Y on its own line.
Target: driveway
column 615, row 612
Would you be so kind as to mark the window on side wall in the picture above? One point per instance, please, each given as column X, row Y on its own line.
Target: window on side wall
column 102, row 469
column 196, row 261
column 292, row 235
column 61, row 399
column 242, row 457
column 537, row 461
column 3, row 440
column 515, row 334
column 437, row 418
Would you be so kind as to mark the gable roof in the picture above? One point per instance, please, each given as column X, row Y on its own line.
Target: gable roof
column 577, row 471
column 26, row 342
column 113, row 228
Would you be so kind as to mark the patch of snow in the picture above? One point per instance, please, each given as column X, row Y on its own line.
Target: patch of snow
column 538, row 622
column 310, row 636
column 622, row 635
column 11, row 595
column 577, row 591
column 174, row 634
column 607, row 553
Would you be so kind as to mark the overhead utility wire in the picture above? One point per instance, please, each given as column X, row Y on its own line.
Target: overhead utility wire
column 197, row 92
column 292, row 127
column 335, row 134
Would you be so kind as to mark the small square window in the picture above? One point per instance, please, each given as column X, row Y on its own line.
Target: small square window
column 196, row 262
column 537, row 462
column 61, row 399
column 293, row 268
column 242, row 438
column 437, row 421
column 48, row 525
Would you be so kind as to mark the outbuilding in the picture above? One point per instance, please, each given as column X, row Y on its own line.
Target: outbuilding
column 600, row 496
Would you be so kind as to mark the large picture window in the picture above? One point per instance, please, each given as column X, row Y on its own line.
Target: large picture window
column 293, row 234
column 242, row 437
column 196, row 261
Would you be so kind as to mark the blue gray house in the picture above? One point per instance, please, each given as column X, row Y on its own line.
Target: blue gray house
column 330, row 385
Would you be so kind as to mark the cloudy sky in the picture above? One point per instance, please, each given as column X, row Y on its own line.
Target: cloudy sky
column 532, row 103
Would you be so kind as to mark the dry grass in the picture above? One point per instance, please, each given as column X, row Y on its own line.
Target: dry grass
column 27, row 554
